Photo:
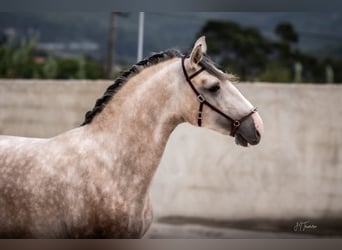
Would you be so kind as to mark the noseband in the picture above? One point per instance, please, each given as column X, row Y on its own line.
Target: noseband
column 202, row 101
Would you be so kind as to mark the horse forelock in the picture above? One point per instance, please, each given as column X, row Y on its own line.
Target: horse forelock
column 212, row 68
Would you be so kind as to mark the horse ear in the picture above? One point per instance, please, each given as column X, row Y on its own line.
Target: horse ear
column 197, row 52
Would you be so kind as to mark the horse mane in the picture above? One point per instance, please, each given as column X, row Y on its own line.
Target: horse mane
column 156, row 58
column 124, row 77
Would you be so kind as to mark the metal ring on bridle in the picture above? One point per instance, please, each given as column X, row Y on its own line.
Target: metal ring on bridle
column 236, row 124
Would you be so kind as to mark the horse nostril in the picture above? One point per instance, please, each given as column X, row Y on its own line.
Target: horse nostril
column 257, row 136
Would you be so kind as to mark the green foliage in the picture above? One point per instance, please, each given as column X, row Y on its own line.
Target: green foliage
column 22, row 61
column 50, row 68
column 93, row 69
column 275, row 72
column 67, row 68
column 17, row 61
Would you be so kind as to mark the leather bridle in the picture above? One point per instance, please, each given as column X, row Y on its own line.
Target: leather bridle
column 202, row 101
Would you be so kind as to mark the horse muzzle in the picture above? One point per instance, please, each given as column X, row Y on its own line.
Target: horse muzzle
column 250, row 131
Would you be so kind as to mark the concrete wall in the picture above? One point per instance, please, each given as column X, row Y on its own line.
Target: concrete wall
column 45, row 108
column 295, row 172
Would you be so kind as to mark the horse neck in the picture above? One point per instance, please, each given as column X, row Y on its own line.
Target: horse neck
column 136, row 124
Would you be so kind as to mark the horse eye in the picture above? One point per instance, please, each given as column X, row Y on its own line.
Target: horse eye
column 214, row 88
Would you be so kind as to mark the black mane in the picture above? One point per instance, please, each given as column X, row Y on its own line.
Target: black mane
column 123, row 78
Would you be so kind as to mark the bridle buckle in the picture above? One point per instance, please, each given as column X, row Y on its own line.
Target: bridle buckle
column 200, row 98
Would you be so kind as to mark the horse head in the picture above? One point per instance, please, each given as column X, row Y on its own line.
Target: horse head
column 212, row 101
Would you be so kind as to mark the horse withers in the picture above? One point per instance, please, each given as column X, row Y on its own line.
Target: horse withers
column 93, row 181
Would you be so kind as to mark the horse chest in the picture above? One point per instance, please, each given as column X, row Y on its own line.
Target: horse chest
column 117, row 221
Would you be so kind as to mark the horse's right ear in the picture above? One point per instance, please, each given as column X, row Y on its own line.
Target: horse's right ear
column 197, row 52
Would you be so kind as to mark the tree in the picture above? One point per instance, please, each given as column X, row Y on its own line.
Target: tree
column 247, row 53
column 286, row 33
column 17, row 60
column 242, row 50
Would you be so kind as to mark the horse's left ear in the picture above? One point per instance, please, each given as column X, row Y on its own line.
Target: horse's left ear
column 197, row 52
